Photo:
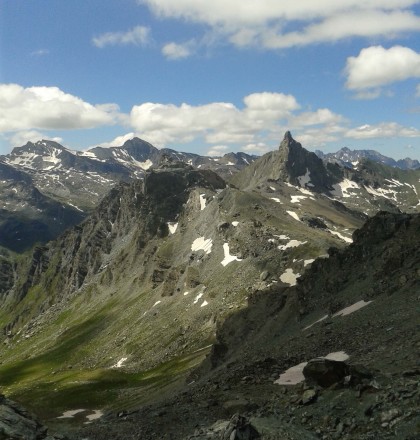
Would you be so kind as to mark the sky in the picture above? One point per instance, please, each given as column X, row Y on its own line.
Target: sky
column 211, row 77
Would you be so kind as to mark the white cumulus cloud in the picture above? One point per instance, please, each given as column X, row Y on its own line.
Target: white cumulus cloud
column 274, row 24
column 218, row 150
column 138, row 36
column 376, row 66
column 217, row 122
column 49, row 108
column 22, row 137
column 175, row 51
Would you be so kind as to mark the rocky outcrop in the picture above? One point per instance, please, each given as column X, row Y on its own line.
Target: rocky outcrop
column 16, row 423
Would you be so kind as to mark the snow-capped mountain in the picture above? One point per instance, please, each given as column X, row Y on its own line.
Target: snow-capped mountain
column 350, row 158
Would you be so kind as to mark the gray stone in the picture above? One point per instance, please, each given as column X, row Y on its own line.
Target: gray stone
column 325, row 372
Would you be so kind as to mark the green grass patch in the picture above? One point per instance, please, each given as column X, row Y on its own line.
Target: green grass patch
column 50, row 395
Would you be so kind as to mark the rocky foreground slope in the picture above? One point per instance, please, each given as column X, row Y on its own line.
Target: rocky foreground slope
column 374, row 394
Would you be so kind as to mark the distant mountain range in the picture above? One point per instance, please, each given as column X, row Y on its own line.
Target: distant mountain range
column 349, row 158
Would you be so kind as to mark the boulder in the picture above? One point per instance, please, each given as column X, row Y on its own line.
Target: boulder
column 239, row 428
column 325, row 372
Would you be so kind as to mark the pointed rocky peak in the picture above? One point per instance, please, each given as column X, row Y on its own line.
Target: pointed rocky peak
column 291, row 163
column 302, row 167
column 288, row 142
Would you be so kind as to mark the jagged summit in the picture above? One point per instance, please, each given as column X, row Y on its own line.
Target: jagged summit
column 287, row 140
column 292, row 164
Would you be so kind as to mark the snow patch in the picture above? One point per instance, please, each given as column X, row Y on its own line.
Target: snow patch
column 97, row 414
column 353, row 308
column 197, row 298
column 341, row 188
column 70, row 414
column 306, row 191
column 381, row 192
column 282, row 237
column 202, row 243
column 316, row 322
column 291, row 244
column 294, row 215
column 297, row 199
column 228, row 258
column 276, row 199
column 120, row 363
column 308, row 262
column 294, row 375
column 289, row 277
column 204, row 304
column 156, row 303
column 235, row 224
column 144, row 165
column 172, row 227
column 74, row 206
column 346, row 239
column 202, row 201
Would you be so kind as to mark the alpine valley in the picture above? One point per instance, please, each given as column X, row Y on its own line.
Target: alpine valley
column 153, row 294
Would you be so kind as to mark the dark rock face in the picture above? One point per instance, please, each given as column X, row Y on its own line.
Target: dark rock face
column 298, row 162
column 18, row 423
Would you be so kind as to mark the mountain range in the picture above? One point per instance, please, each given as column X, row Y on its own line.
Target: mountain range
column 187, row 285
column 349, row 158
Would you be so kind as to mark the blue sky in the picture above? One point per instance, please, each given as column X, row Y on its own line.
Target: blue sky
column 212, row 77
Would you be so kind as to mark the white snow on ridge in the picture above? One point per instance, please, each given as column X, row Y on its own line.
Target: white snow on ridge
column 74, row 206
column 228, row 258
column 316, row 322
column 120, row 363
column 289, row 277
column 197, row 298
column 97, row 414
column 294, row 215
column 346, row 239
column 307, row 262
column 341, row 188
column 291, row 244
column 353, row 308
column 297, row 199
column 143, row 165
column 394, row 182
column 381, row 192
column 202, row 201
column 294, row 375
column 306, row 191
column 276, row 199
column 202, row 243
column 282, row 237
column 172, row 227
column 70, row 414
